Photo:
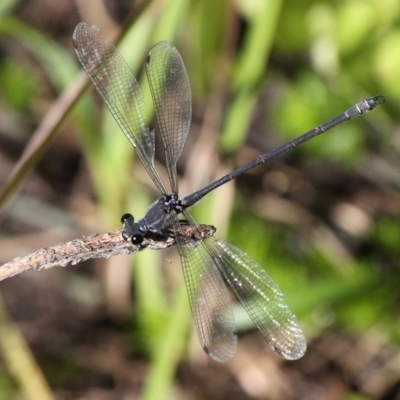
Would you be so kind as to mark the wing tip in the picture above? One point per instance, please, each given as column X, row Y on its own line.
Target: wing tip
column 84, row 27
column 293, row 353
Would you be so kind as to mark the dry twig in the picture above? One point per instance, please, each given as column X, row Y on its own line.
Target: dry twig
column 77, row 250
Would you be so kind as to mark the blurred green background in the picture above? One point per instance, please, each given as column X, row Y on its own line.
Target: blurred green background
column 323, row 219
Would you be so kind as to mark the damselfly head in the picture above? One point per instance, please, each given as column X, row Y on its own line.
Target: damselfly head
column 131, row 231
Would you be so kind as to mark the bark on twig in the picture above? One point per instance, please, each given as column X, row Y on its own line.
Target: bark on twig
column 77, row 250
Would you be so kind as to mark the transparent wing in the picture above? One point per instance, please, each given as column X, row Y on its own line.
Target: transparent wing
column 120, row 91
column 170, row 89
column 208, row 297
column 261, row 297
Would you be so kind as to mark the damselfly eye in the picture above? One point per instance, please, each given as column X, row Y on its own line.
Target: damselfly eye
column 125, row 217
column 137, row 239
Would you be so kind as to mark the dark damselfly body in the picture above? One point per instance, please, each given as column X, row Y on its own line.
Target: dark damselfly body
column 206, row 260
